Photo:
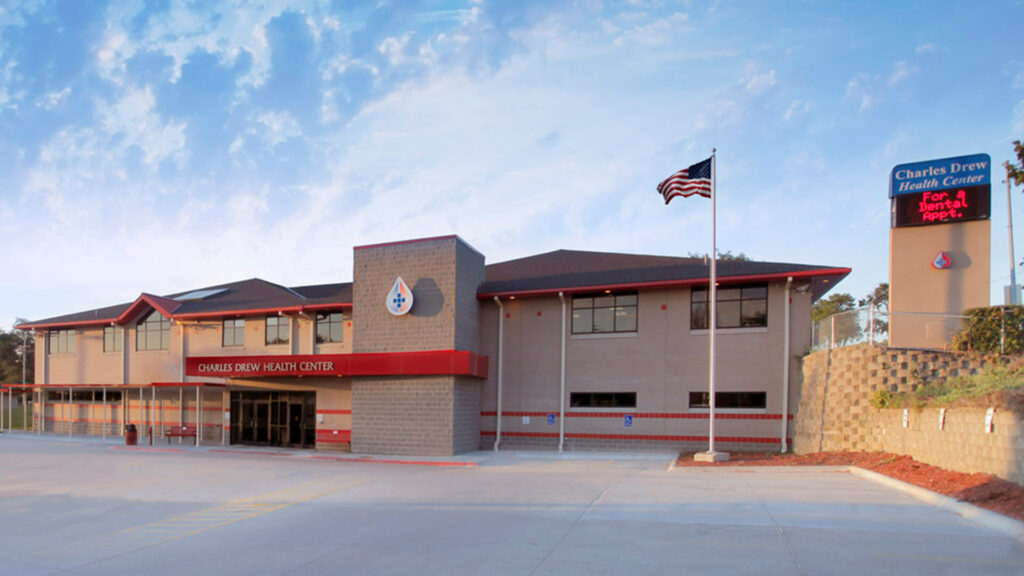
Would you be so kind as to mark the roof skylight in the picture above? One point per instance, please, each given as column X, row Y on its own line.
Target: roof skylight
column 200, row 294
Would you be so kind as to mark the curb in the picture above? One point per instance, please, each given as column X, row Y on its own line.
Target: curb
column 986, row 518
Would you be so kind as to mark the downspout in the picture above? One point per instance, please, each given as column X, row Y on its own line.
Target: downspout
column 501, row 333
column 561, row 395
column 785, row 370
column 181, row 377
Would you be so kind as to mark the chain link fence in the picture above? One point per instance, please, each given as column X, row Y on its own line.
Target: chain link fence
column 869, row 324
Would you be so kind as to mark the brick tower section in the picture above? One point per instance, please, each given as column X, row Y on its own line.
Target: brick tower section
column 417, row 415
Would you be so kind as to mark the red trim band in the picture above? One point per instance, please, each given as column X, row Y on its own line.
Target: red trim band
column 779, row 276
column 401, row 242
column 649, row 437
column 333, row 436
column 652, row 415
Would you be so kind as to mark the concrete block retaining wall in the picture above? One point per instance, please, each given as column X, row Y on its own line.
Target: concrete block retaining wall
column 835, row 413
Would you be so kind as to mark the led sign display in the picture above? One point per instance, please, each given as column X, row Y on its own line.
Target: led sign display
column 941, row 206
column 941, row 191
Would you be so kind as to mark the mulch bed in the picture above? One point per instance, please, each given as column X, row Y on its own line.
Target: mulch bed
column 983, row 490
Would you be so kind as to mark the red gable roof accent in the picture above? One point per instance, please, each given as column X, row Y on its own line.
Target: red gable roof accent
column 165, row 306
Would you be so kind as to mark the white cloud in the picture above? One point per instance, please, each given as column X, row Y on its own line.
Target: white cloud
column 796, row 108
column 134, row 118
column 9, row 100
column 1016, row 71
column 659, row 32
column 901, row 70
column 278, row 126
column 758, row 83
column 51, row 100
column 858, row 89
column 928, row 48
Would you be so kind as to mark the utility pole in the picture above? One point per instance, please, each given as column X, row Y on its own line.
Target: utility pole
column 1014, row 292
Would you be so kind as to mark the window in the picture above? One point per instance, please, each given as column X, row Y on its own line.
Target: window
column 738, row 307
column 112, row 338
column 730, row 400
column 604, row 314
column 278, row 330
column 234, row 332
column 153, row 332
column 602, row 400
column 62, row 342
column 329, row 327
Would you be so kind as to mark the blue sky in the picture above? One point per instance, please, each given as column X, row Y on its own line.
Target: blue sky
column 159, row 146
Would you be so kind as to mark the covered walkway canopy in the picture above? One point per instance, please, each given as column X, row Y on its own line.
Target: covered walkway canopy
column 153, row 412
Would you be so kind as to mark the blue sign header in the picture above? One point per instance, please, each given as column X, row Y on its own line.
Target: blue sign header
column 941, row 174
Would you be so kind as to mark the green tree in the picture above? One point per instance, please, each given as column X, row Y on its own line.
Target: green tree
column 879, row 298
column 15, row 345
column 1016, row 171
column 834, row 304
column 840, row 306
column 723, row 255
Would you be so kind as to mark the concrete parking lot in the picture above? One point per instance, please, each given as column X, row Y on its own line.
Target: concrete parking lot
column 89, row 507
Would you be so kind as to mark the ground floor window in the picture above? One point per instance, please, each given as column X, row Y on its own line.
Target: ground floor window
column 602, row 400
column 80, row 396
column 730, row 400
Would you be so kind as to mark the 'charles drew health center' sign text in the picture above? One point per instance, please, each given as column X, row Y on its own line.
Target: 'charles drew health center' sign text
column 263, row 366
column 941, row 191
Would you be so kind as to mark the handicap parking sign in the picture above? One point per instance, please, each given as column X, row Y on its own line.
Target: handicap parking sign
column 551, row 419
column 629, row 420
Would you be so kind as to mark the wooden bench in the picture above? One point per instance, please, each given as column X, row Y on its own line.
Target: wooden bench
column 180, row 432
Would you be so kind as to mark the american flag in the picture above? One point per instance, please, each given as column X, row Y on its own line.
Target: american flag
column 689, row 181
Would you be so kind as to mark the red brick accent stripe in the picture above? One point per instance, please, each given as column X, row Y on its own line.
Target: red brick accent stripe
column 653, row 415
column 650, row 437
column 333, row 436
column 336, row 412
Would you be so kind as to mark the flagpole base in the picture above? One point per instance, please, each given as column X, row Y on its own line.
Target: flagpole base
column 711, row 456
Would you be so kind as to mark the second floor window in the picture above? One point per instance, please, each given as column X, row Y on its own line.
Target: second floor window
column 603, row 314
column 329, row 327
column 278, row 330
column 234, row 332
column 62, row 342
column 112, row 338
column 738, row 307
column 153, row 332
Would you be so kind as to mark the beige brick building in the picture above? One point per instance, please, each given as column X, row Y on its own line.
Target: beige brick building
column 430, row 351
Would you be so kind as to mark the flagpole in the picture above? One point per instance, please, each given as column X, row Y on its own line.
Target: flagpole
column 711, row 455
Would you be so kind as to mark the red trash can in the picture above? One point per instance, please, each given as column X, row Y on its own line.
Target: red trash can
column 131, row 435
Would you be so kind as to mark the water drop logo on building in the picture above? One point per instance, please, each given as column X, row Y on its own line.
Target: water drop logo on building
column 399, row 299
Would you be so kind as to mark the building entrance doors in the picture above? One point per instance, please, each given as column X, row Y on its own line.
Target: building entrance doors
column 274, row 418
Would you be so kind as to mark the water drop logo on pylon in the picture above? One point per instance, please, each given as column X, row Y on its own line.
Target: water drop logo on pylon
column 941, row 261
column 399, row 299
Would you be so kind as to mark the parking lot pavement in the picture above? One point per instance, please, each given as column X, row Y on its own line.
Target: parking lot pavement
column 94, row 508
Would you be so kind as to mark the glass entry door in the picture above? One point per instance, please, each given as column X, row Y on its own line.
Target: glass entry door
column 274, row 418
